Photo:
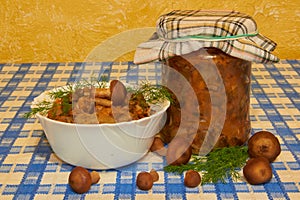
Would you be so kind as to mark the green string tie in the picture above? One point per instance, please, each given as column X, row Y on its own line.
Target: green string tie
column 210, row 38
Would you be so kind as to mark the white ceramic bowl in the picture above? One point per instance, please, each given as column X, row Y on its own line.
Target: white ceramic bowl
column 102, row 146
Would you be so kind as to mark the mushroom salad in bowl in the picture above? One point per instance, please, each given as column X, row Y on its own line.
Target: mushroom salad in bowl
column 99, row 124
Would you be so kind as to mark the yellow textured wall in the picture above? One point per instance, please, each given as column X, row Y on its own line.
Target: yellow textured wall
column 56, row 30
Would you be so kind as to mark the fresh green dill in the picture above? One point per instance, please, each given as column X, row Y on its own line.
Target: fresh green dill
column 42, row 108
column 217, row 166
column 61, row 92
column 66, row 105
column 92, row 82
column 153, row 93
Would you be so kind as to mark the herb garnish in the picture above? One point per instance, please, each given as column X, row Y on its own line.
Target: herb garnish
column 153, row 93
column 42, row 108
column 217, row 166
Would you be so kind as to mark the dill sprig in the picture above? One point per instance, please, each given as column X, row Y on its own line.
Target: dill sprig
column 44, row 106
column 217, row 166
column 92, row 82
column 61, row 92
column 153, row 93
column 41, row 107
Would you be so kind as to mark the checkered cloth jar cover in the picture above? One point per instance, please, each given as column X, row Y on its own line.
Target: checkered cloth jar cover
column 184, row 31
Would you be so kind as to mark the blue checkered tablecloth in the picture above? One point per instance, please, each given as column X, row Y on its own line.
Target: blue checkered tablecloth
column 30, row 170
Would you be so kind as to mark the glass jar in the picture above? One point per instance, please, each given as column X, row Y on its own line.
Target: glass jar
column 211, row 92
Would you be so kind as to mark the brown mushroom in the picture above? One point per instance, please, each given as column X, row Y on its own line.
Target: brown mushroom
column 158, row 146
column 154, row 175
column 95, row 177
column 264, row 144
column 118, row 92
column 144, row 181
column 179, row 152
column 80, row 180
column 192, row 178
column 257, row 170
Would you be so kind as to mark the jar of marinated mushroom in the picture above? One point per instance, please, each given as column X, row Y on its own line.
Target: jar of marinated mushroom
column 211, row 93
column 206, row 59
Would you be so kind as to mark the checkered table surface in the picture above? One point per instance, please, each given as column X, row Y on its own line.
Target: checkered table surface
column 30, row 170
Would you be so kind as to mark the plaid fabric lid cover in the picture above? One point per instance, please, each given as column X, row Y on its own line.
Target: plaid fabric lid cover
column 184, row 31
